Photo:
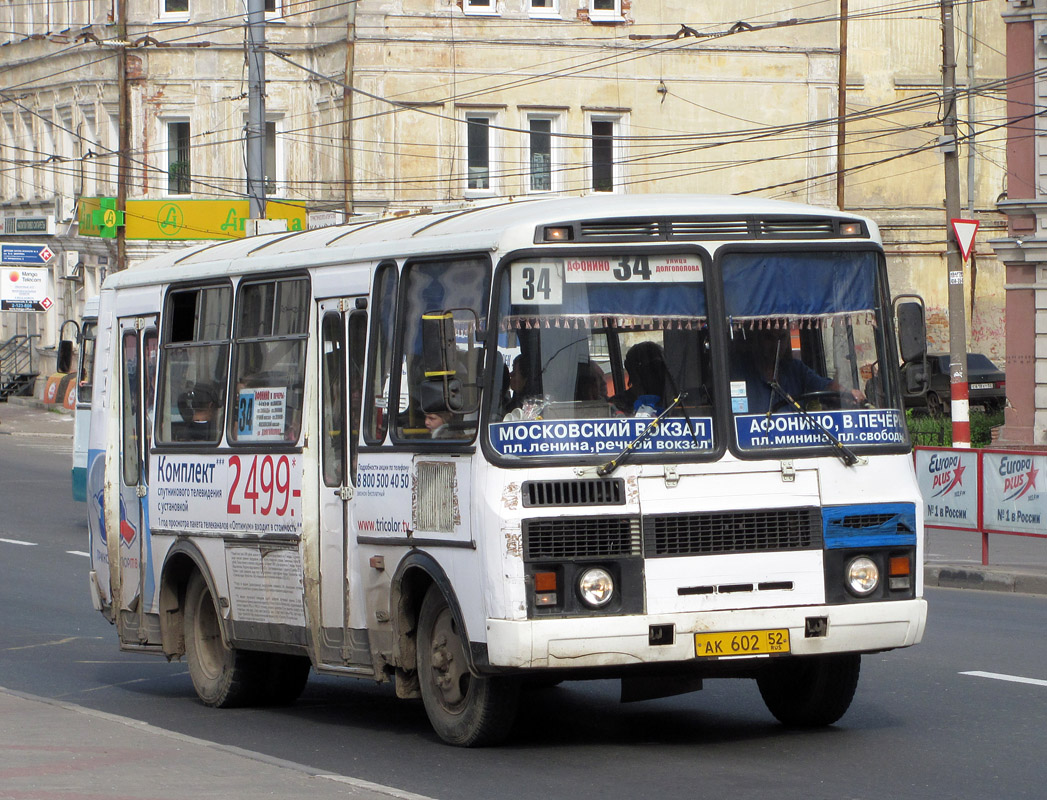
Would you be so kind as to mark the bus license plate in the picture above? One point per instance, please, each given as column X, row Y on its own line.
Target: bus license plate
column 741, row 643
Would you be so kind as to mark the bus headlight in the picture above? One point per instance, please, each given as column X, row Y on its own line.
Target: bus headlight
column 863, row 576
column 596, row 587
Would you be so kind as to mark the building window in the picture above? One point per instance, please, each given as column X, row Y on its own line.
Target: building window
column 274, row 8
column 179, row 166
column 605, row 9
column 478, row 152
column 602, row 150
column 272, row 181
column 542, row 158
column 545, row 8
column 177, row 9
column 489, row 7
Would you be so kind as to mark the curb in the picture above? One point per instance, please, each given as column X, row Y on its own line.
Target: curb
column 985, row 578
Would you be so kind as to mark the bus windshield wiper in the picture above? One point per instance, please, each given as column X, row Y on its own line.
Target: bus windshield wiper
column 606, row 469
column 843, row 452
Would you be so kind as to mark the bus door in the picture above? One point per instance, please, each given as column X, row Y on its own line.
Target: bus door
column 343, row 327
column 133, row 583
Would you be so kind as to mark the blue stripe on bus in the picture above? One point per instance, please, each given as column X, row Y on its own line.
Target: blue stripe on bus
column 869, row 525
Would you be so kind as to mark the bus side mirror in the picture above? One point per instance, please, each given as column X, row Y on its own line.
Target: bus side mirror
column 915, row 378
column 912, row 330
column 441, row 395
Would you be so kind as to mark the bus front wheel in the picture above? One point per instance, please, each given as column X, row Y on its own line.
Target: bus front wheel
column 222, row 676
column 810, row 691
column 463, row 709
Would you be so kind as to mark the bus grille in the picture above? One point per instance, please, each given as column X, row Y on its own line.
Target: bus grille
column 581, row 537
column 609, row 492
column 732, row 532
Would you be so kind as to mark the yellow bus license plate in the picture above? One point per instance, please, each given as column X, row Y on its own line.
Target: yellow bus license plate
column 741, row 643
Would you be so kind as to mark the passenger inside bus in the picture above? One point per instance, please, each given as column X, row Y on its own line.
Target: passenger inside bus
column 766, row 356
column 199, row 409
column 439, row 424
column 645, row 367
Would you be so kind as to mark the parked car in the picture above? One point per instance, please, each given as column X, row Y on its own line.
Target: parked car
column 985, row 380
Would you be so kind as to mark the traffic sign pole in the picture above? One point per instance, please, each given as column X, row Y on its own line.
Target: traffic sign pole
column 961, row 412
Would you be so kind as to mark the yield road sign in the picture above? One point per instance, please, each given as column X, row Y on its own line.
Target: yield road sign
column 964, row 230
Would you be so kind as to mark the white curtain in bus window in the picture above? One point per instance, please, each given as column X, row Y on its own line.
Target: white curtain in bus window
column 809, row 322
column 269, row 361
column 194, row 359
column 604, row 336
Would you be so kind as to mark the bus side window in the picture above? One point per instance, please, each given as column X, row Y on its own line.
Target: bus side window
column 380, row 357
column 272, row 320
column 194, row 354
column 460, row 287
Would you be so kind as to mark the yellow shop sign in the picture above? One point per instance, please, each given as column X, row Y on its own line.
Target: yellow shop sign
column 189, row 219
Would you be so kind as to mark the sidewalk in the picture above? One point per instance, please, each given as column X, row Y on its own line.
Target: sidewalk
column 51, row 749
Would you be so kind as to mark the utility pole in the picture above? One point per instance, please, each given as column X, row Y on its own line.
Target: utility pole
column 256, row 107
column 841, row 109
column 961, row 415
column 124, row 125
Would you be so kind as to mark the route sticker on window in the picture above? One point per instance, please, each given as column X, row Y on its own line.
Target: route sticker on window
column 261, row 414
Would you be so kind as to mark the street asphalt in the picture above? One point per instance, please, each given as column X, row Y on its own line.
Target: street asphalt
column 52, row 749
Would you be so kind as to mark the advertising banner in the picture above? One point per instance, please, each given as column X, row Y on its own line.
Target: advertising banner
column 949, row 482
column 1013, row 491
column 25, row 289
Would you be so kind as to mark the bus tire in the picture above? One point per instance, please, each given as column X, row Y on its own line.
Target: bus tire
column 463, row 709
column 222, row 676
column 810, row 691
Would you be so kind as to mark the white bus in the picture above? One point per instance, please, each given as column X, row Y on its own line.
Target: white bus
column 84, row 388
column 655, row 438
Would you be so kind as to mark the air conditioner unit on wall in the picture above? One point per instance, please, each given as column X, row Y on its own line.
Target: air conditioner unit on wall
column 72, row 267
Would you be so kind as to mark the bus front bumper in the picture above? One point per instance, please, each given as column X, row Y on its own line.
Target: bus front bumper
column 586, row 642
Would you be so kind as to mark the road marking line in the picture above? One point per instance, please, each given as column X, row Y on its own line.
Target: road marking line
column 78, row 553
column 17, row 541
column 996, row 676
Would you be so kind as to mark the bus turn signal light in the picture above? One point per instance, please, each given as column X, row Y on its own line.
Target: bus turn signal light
column 899, row 570
column 545, row 588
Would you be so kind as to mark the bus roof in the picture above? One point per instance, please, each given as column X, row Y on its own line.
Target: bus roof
column 473, row 227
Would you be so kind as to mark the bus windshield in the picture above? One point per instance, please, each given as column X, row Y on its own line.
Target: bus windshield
column 806, row 341
column 591, row 348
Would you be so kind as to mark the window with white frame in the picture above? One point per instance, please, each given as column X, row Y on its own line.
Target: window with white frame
column 542, row 167
column 274, row 9
column 179, row 157
column 174, row 9
column 544, row 8
column 489, row 7
column 479, row 145
column 605, row 157
column 605, row 9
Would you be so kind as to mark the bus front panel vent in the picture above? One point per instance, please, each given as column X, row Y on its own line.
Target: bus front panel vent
column 563, row 538
column 606, row 492
column 732, row 532
column 641, row 230
column 802, row 228
column 711, row 229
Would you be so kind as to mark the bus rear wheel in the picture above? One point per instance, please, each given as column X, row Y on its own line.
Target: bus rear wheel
column 464, row 710
column 222, row 676
column 810, row 691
